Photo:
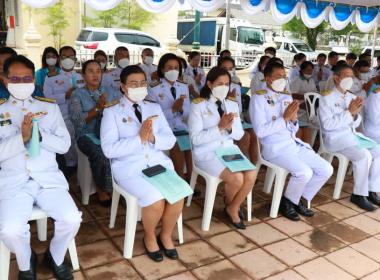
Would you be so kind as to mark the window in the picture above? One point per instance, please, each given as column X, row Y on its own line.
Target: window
column 147, row 41
column 302, row 47
column 99, row 36
column 250, row 35
column 233, row 33
column 84, row 35
column 278, row 44
column 126, row 38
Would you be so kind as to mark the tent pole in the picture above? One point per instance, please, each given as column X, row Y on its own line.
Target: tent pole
column 227, row 26
column 374, row 43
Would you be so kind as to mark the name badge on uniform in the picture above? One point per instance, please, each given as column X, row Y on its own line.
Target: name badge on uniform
column 184, row 95
column 154, row 117
column 5, row 123
column 80, row 81
column 39, row 114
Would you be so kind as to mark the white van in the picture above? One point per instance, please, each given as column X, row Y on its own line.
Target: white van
column 288, row 47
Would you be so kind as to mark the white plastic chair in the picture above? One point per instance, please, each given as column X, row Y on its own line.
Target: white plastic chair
column 312, row 115
column 132, row 216
column 84, row 176
column 322, row 86
column 343, row 164
column 212, row 184
column 41, row 218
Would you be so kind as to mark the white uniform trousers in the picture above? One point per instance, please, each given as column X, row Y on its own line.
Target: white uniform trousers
column 71, row 157
column 15, row 213
column 309, row 172
column 366, row 167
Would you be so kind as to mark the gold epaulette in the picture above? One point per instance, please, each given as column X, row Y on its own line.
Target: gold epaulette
column 111, row 104
column 261, row 92
column 138, row 64
column 293, row 66
column 327, row 66
column 182, row 82
column 2, row 100
column 376, row 90
column 198, row 100
column 285, row 92
column 150, row 100
column 45, row 99
column 231, row 98
column 52, row 74
column 262, row 80
column 326, row 92
column 235, row 82
column 155, row 84
column 79, row 71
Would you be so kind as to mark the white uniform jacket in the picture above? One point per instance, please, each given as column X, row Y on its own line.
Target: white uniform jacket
column 257, row 82
column 16, row 164
column 372, row 115
column 337, row 123
column 266, row 110
column 189, row 71
column 236, row 86
column 203, row 124
column 148, row 70
column 120, row 139
column 57, row 84
column 111, row 78
column 357, row 88
column 294, row 72
column 160, row 92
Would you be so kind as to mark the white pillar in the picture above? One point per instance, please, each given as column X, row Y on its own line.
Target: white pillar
column 373, row 45
column 227, row 25
column 171, row 45
column 32, row 44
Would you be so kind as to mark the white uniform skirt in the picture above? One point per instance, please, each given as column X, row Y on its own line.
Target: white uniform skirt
column 213, row 167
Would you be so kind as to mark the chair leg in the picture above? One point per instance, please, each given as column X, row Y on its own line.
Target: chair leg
column 139, row 215
column 343, row 164
column 5, row 258
column 85, row 199
column 313, row 136
column 73, row 255
column 130, row 228
column 193, row 181
column 211, row 187
column 114, row 206
column 277, row 193
column 351, row 170
column 269, row 178
column 42, row 229
column 249, row 207
column 308, row 204
column 180, row 229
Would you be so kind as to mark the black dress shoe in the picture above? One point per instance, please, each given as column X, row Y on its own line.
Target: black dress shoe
column 287, row 209
column 170, row 253
column 31, row 273
column 240, row 213
column 156, row 256
column 106, row 203
column 362, row 202
column 62, row 271
column 239, row 225
column 303, row 210
column 374, row 198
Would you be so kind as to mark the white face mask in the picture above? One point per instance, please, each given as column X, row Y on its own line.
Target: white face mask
column 124, row 62
column 102, row 65
column 269, row 55
column 232, row 73
column 137, row 94
column 279, row 85
column 21, row 91
column 67, row 63
column 307, row 76
column 148, row 60
column 220, row 92
column 51, row 61
column 346, row 83
column 363, row 76
column 172, row 75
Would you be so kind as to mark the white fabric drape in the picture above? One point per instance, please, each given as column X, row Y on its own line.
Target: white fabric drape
column 251, row 10
column 314, row 22
column 339, row 25
column 206, row 6
column 280, row 17
column 39, row 3
column 156, row 7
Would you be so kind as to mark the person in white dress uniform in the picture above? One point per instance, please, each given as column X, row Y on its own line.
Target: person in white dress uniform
column 150, row 69
column 320, row 72
column 339, row 116
column 295, row 70
column 375, row 71
column 351, row 59
column 27, row 180
column 173, row 97
column 214, row 123
column 134, row 133
column 189, row 80
column 234, row 77
column 258, row 78
column 372, row 115
column 330, row 83
column 59, row 86
column 274, row 119
column 367, row 57
column 362, row 79
column 271, row 52
column 111, row 78
column 332, row 60
column 193, row 69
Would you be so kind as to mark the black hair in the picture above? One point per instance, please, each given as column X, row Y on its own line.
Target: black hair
column 339, row 62
column 305, row 64
column 299, row 56
column 332, row 54
column 361, row 63
column 321, row 55
column 7, row 50
column 339, row 68
column 193, row 54
column 270, row 49
column 165, row 58
column 378, row 58
column 101, row 53
column 46, row 52
column 364, row 55
column 184, row 62
column 261, row 61
column 351, row 56
column 147, row 49
column 270, row 67
column 221, row 60
column 212, row 76
column 18, row 59
column 275, row 60
column 121, row 49
column 223, row 52
column 87, row 62
column 65, row 48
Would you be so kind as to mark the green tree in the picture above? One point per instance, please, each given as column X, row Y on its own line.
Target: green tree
column 300, row 30
column 129, row 14
column 57, row 17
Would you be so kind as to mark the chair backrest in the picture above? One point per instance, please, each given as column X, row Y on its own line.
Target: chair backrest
column 244, row 90
column 320, row 132
column 322, row 86
column 311, row 102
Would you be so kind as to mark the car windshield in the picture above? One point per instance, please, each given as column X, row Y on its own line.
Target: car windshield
column 250, row 35
column 84, row 35
column 302, row 47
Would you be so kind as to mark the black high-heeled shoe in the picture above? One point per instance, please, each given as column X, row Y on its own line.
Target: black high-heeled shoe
column 239, row 225
column 241, row 213
column 170, row 253
column 156, row 256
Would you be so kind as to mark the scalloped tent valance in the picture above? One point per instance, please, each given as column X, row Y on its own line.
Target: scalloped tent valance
column 364, row 13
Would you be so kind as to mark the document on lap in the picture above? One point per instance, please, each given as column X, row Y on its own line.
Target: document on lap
column 234, row 166
column 183, row 141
